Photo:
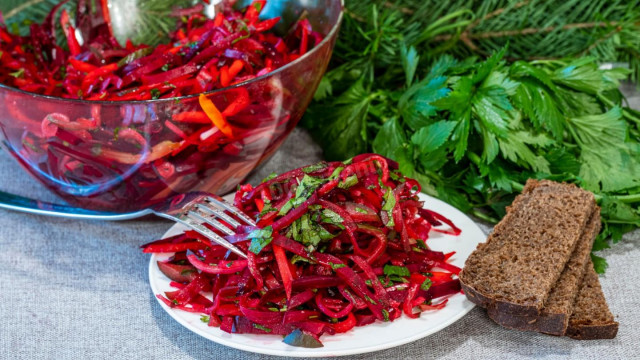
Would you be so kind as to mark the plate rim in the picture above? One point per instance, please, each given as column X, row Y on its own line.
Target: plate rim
column 468, row 306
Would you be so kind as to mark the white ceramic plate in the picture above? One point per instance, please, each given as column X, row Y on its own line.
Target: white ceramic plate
column 374, row 337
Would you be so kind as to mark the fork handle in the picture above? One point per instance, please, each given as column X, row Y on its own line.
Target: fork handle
column 19, row 203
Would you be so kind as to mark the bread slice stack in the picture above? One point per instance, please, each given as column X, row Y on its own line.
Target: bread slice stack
column 535, row 273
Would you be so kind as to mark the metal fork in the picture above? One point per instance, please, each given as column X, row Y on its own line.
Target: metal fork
column 192, row 209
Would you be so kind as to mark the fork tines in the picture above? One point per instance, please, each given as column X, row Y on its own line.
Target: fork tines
column 209, row 211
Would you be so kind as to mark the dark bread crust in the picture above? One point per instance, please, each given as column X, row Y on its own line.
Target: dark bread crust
column 489, row 278
column 593, row 332
column 499, row 305
column 554, row 317
column 591, row 318
column 552, row 324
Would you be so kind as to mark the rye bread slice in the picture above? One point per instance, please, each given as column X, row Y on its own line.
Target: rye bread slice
column 591, row 318
column 515, row 270
column 554, row 317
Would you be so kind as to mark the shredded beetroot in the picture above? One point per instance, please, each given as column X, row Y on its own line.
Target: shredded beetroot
column 319, row 262
column 201, row 54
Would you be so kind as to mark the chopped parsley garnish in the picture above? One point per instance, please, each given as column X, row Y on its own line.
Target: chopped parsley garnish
column 17, row 74
column 305, row 189
column 369, row 299
column 389, row 204
column 155, row 94
column 426, row 284
column 271, row 176
column 315, row 167
column 263, row 328
column 337, row 266
column 260, row 238
column 331, row 217
column 348, row 182
column 204, row 319
column 396, row 270
column 385, row 313
column 360, row 210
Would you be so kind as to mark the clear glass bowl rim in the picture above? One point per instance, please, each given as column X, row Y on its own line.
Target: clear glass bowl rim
column 327, row 38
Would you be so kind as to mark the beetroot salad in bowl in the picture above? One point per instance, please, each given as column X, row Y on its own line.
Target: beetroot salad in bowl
column 117, row 126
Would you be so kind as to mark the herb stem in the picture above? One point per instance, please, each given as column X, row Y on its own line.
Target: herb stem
column 482, row 216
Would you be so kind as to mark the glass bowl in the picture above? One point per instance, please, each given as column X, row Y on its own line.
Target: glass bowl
column 123, row 156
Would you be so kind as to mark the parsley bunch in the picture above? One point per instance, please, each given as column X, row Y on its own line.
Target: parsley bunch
column 473, row 131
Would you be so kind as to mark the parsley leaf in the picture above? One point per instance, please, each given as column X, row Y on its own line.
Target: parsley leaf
column 260, row 238
column 396, row 270
column 305, row 189
column 389, row 204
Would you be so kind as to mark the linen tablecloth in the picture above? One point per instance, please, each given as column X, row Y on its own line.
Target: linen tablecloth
column 79, row 289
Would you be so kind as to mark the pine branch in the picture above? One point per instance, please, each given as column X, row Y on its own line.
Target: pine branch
column 609, row 30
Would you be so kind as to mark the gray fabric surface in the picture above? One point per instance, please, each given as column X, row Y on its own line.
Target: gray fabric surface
column 79, row 289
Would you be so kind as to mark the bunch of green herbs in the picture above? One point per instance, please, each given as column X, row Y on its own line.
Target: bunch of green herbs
column 472, row 131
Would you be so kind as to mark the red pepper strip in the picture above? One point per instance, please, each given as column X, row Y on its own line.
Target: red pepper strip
column 235, row 69
column 81, row 65
column 192, row 290
column 223, row 267
column 345, row 325
column 353, row 280
column 447, row 256
column 4, row 35
column 172, row 74
column 334, row 314
column 215, row 116
column 425, row 307
column 95, row 75
column 218, row 20
column 285, row 271
column 239, row 103
column 195, row 308
column 381, row 245
column 446, row 266
column 454, row 230
column 259, row 204
column 225, row 80
column 253, row 268
column 70, row 33
column 254, row 10
column 196, row 117
column 169, row 248
column 407, row 304
column 267, row 24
